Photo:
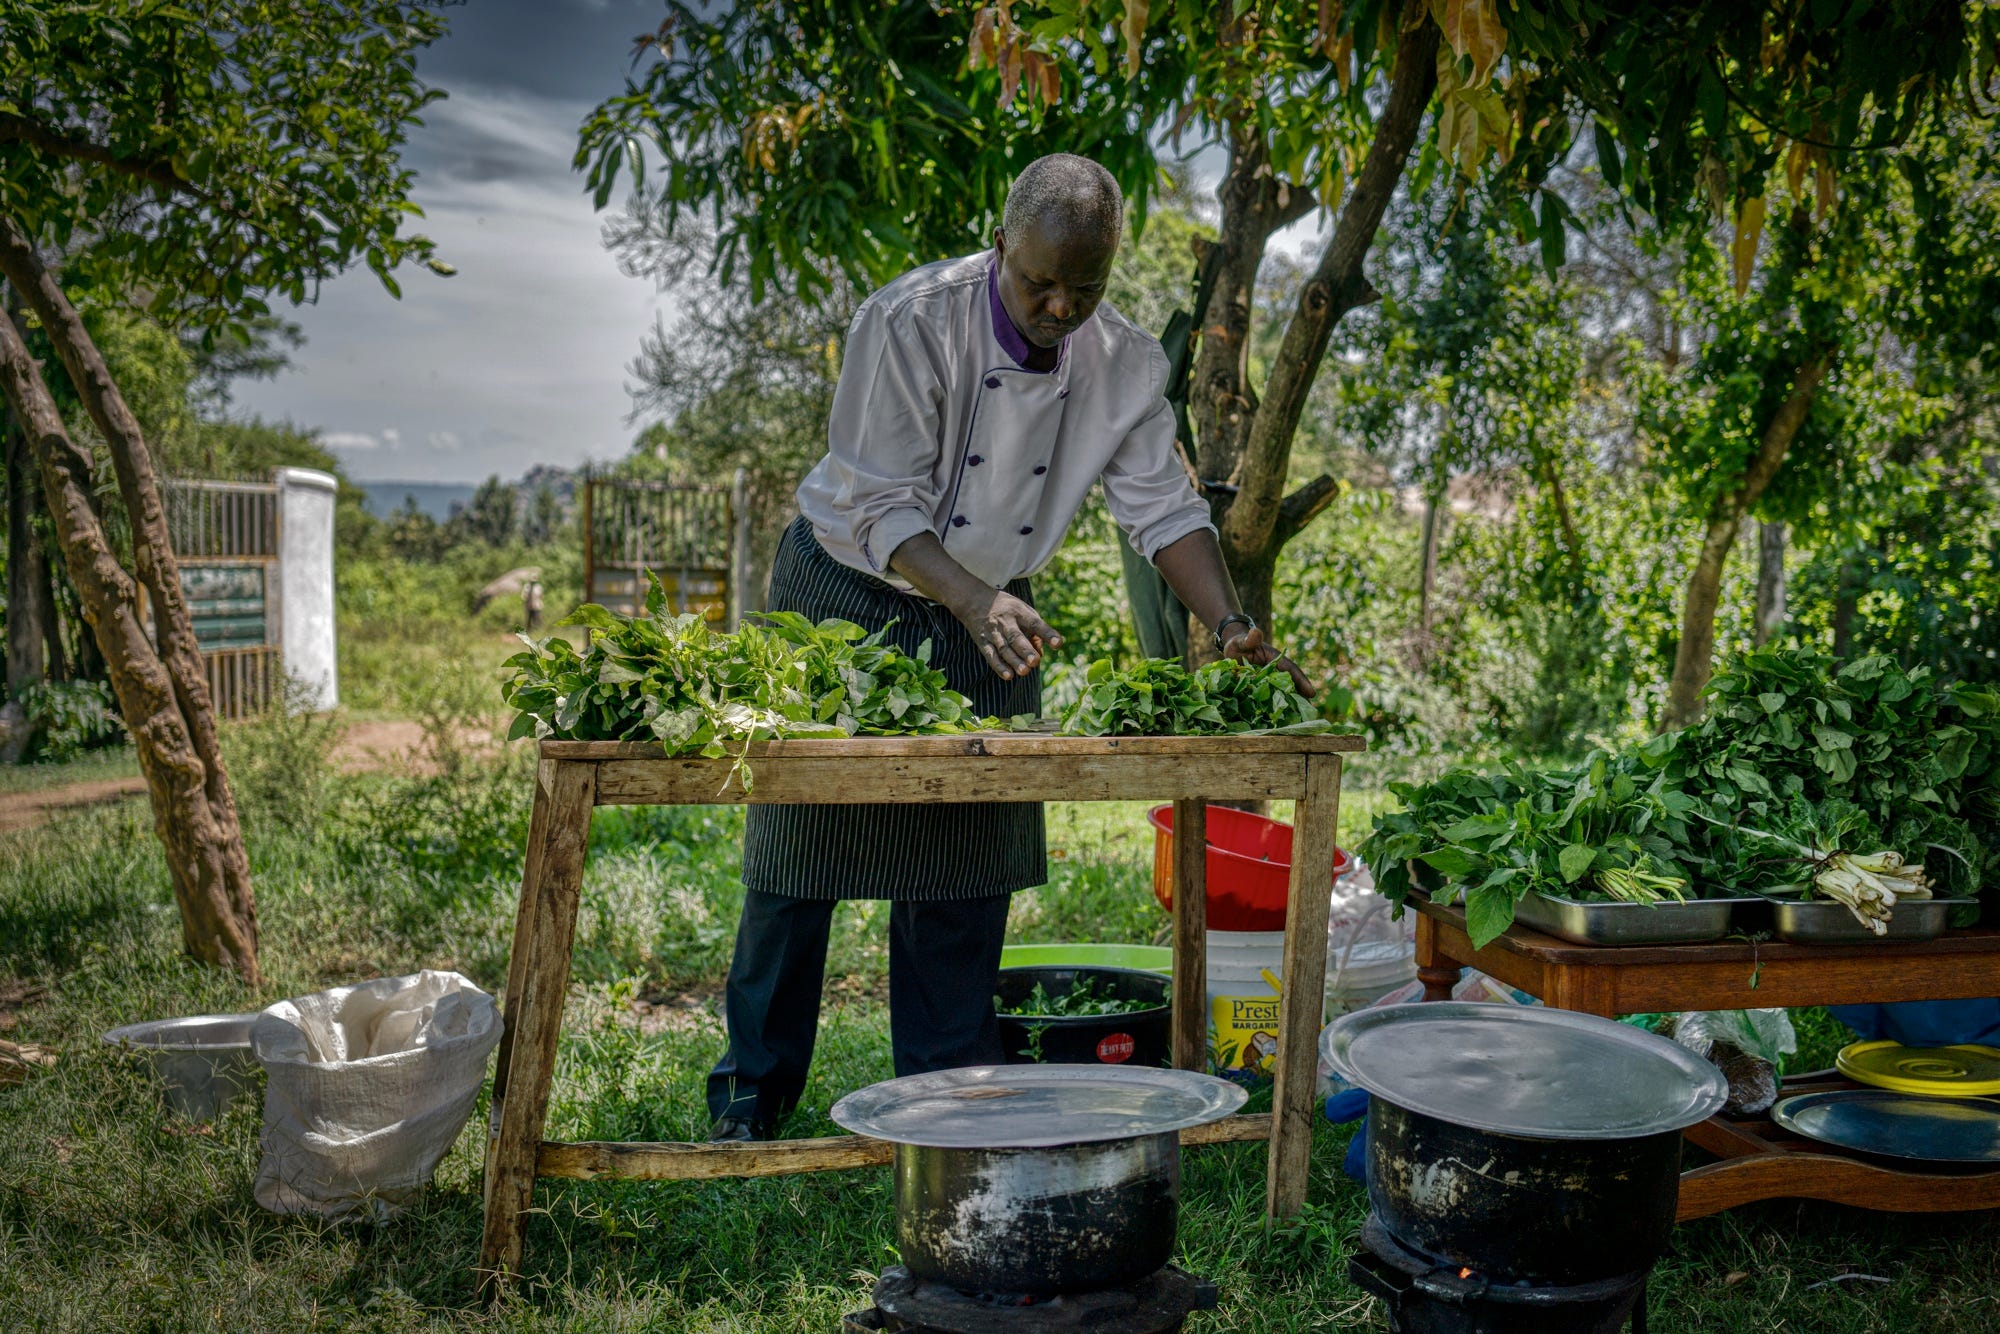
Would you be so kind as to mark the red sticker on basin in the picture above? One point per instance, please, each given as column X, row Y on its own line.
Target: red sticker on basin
column 1115, row 1048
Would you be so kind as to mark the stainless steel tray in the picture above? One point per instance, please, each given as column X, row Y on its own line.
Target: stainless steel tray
column 1521, row 1070
column 1626, row 923
column 1035, row 1106
column 1824, row 922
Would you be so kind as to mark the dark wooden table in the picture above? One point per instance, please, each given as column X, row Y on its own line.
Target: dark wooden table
column 1758, row 1160
column 573, row 778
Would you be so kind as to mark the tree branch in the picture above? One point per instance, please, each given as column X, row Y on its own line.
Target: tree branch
column 1336, row 286
column 1302, row 507
column 15, row 128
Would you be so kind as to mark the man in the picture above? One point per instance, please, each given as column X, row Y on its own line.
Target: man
column 979, row 400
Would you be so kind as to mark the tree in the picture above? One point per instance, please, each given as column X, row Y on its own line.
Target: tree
column 204, row 155
column 870, row 137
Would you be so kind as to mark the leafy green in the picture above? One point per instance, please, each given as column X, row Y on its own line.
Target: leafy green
column 1079, row 1001
column 1159, row 697
column 672, row 680
column 1604, row 830
column 1804, row 772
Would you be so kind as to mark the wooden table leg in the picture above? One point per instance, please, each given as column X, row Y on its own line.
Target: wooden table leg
column 537, row 982
column 1302, row 998
column 1191, row 935
column 1435, row 969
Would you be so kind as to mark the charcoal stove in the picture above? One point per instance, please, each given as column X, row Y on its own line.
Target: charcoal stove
column 1427, row 1296
column 1157, row 1304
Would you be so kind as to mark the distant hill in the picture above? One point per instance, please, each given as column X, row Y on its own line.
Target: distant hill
column 382, row 499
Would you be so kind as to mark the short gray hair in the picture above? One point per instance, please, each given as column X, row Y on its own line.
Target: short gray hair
column 1070, row 193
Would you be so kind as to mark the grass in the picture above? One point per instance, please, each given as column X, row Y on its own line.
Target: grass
column 90, row 767
column 116, row 1216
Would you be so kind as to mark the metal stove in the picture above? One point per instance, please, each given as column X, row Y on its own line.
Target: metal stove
column 1425, row 1296
column 1157, row 1304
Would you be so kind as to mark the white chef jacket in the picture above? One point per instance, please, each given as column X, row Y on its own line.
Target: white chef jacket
column 936, row 427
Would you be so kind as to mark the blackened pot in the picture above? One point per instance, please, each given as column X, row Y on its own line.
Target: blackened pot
column 1039, row 1221
column 1136, row 1037
column 1511, row 1208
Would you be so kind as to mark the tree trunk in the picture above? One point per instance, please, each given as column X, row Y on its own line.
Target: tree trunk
column 162, row 692
column 27, row 581
column 1694, row 655
column 1246, row 444
column 27, row 577
column 1427, row 573
column 1770, row 581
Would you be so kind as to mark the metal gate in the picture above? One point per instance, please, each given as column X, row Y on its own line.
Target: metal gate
column 694, row 539
column 225, row 537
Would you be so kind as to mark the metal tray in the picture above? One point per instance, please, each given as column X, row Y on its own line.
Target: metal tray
column 1824, row 922
column 1520, row 1070
column 1959, row 1131
column 1035, row 1106
column 1626, row 923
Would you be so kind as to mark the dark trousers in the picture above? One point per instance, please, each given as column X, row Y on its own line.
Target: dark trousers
column 944, row 959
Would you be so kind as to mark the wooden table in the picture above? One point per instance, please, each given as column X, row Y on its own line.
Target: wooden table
column 1758, row 1160
column 573, row 778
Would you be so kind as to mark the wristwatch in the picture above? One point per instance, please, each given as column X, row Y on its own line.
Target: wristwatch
column 1233, row 618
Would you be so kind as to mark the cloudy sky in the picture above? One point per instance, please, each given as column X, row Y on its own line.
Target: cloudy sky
column 519, row 359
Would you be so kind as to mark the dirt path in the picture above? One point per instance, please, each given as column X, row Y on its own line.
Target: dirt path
column 366, row 745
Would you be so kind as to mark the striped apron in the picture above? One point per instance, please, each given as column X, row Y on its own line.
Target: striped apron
column 916, row 853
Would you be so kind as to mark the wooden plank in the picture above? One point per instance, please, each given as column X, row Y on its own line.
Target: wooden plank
column 1190, row 1040
column 599, row 1160
column 1302, row 998
column 1727, row 1139
column 1651, row 979
column 980, row 743
column 1719, row 1186
column 839, row 781
column 538, row 981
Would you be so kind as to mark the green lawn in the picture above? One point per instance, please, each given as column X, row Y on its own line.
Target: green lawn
column 114, row 1215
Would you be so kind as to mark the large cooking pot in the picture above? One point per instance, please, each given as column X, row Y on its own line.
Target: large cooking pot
column 1041, row 1179
column 1074, row 1218
column 1526, row 1144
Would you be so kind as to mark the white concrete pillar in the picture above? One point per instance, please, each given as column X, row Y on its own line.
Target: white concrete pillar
column 305, row 582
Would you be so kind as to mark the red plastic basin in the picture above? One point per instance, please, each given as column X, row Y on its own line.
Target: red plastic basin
column 1249, row 867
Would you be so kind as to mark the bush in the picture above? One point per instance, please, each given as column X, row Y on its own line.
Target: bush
column 67, row 718
column 279, row 765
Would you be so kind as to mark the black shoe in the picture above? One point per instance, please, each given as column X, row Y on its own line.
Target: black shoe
column 733, row 1130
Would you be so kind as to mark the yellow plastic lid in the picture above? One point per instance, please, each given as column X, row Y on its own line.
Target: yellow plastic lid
column 1966, row 1071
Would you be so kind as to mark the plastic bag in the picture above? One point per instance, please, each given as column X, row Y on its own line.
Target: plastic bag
column 1745, row 1045
column 369, row 1087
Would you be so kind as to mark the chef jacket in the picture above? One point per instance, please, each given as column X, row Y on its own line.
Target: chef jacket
column 938, row 427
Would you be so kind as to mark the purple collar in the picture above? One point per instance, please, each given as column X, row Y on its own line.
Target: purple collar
column 1011, row 340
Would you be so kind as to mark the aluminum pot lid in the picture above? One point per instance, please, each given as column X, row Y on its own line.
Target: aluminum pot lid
column 1897, row 1125
column 1035, row 1106
column 1529, row 1071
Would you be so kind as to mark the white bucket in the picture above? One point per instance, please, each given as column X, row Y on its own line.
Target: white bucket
column 1363, row 973
column 1242, row 1003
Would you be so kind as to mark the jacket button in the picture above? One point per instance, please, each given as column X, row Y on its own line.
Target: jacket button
column 1063, row 393
column 974, row 461
column 992, row 382
column 1026, row 530
column 1041, row 468
column 958, row 521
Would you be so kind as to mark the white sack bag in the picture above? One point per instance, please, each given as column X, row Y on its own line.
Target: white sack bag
column 369, row 1086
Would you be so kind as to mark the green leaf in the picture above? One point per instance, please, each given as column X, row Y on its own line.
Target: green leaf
column 1450, row 861
column 1488, row 914
column 1575, row 861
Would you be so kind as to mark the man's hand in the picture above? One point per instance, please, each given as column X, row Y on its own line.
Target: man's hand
column 1007, row 631
column 1250, row 647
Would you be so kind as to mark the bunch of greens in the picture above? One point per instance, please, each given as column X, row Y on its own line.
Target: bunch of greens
column 1602, row 831
column 1788, row 731
column 1865, row 783
column 1159, row 697
column 1079, row 1001
column 672, row 680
